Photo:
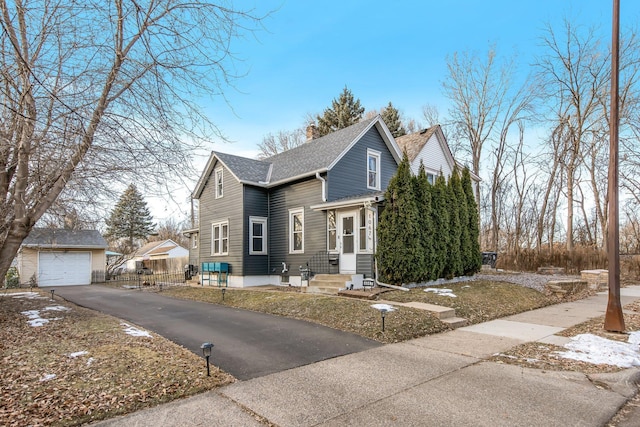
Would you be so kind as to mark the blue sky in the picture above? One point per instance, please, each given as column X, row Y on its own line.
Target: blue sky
column 381, row 50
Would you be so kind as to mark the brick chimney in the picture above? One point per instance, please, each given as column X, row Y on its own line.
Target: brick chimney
column 312, row 132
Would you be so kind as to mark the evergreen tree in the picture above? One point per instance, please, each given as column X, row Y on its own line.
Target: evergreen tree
column 130, row 219
column 453, row 266
column 474, row 262
column 441, row 225
column 391, row 118
column 422, row 190
column 399, row 252
column 344, row 111
column 460, row 205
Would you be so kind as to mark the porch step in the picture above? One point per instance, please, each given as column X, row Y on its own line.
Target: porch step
column 455, row 322
column 327, row 283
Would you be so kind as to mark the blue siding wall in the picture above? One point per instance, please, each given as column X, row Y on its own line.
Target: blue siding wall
column 349, row 176
column 301, row 194
column 256, row 203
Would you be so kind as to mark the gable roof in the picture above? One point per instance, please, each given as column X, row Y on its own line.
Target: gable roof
column 414, row 142
column 60, row 238
column 317, row 155
column 159, row 246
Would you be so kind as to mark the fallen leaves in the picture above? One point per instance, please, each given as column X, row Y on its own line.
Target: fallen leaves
column 84, row 367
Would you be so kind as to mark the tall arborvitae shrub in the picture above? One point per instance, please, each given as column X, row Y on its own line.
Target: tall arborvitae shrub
column 399, row 253
column 463, row 214
column 453, row 267
column 474, row 262
column 440, row 221
column 422, row 190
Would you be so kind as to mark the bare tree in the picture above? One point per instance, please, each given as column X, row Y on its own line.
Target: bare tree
column 94, row 93
column 282, row 141
column 477, row 89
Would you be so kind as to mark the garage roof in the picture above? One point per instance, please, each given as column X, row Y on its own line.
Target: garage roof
column 58, row 238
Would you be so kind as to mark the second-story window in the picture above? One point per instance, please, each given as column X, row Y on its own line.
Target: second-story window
column 373, row 170
column 219, row 184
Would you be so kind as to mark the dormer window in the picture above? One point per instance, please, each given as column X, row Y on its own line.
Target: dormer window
column 373, row 170
column 219, row 178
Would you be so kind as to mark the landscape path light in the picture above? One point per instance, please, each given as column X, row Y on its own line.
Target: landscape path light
column 52, row 291
column 223, row 291
column 383, row 309
column 206, row 351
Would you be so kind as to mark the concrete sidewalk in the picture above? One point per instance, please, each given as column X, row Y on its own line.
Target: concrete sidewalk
column 442, row 380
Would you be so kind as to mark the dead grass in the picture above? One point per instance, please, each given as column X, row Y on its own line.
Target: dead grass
column 119, row 373
column 345, row 314
column 479, row 301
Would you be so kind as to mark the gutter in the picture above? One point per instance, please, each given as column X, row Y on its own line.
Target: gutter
column 324, row 186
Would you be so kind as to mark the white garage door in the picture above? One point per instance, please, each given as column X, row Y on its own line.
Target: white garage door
column 64, row 268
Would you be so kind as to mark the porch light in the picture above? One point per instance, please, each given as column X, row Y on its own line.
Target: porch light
column 206, row 351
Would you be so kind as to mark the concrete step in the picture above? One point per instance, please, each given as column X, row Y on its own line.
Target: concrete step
column 455, row 322
column 330, row 280
column 324, row 290
column 439, row 311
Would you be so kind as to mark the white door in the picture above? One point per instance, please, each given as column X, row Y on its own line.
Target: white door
column 64, row 268
column 347, row 242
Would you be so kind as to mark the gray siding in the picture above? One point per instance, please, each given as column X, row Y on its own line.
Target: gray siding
column 301, row 194
column 349, row 176
column 256, row 203
column 228, row 207
column 364, row 264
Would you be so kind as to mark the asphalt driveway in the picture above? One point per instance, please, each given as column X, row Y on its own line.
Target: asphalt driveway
column 246, row 344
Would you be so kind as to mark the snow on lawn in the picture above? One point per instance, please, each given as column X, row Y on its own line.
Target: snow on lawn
column 77, row 354
column 47, row 377
column 597, row 350
column 443, row 292
column 383, row 307
column 35, row 319
column 27, row 295
column 133, row 331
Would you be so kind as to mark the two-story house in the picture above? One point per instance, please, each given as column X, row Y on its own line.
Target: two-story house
column 312, row 206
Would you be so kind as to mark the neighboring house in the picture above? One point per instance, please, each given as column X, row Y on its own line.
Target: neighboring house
column 430, row 147
column 159, row 255
column 62, row 257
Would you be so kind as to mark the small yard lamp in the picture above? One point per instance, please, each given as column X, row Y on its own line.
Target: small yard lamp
column 383, row 309
column 223, row 291
column 52, row 291
column 206, row 351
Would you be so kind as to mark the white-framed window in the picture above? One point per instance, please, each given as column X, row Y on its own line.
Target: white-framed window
column 220, row 238
column 296, row 230
column 362, row 228
column 373, row 169
column 219, row 176
column 332, row 231
column 194, row 241
column 431, row 178
column 257, row 235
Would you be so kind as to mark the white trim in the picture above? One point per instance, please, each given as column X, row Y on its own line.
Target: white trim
column 258, row 220
column 218, row 187
column 376, row 155
column 293, row 212
column 220, row 224
column 333, row 249
column 348, row 203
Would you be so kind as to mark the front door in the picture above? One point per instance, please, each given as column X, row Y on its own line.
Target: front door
column 347, row 242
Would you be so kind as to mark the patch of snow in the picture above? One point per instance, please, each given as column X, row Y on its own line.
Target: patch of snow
column 56, row 308
column 47, row 377
column 597, row 350
column 27, row 295
column 383, row 307
column 133, row 331
column 90, row 361
column 35, row 319
column 443, row 292
column 77, row 354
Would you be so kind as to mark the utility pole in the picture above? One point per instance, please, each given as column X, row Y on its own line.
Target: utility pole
column 614, row 320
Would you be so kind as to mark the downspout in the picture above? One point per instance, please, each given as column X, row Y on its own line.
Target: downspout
column 375, row 261
column 324, row 186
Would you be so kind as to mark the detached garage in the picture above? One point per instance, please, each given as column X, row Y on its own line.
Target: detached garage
column 53, row 257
